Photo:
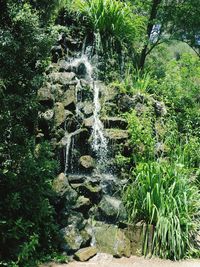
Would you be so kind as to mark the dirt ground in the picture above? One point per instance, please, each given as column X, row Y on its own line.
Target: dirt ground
column 108, row 261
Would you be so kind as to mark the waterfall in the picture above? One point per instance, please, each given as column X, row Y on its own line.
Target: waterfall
column 67, row 151
column 99, row 142
column 69, row 142
column 78, row 99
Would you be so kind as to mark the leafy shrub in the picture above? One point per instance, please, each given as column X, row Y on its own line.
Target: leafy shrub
column 111, row 19
column 162, row 195
column 27, row 217
column 141, row 135
column 180, row 90
column 27, row 223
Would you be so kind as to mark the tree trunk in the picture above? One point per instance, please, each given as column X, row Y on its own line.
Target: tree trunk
column 152, row 17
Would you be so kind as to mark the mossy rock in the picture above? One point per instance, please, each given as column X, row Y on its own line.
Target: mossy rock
column 61, row 77
column 87, row 162
column 116, row 134
column 63, row 190
column 114, row 122
column 112, row 209
column 110, row 239
column 85, row 254
column 60, row 115
column 45, row 95
column 72, row 239
column 60, row 183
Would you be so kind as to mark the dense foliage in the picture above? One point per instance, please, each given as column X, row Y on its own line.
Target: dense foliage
column 164, row 187
column 26, row 215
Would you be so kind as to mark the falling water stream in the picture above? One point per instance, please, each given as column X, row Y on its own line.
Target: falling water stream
column 69, row 141
column 99, row 141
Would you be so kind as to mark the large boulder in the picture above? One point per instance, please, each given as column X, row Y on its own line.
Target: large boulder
column 85, row 254
column 89, row 122
column 72, row 239
column 87, row 108
column 160, row 108
column 77, row 179
column 69, row 99
column 63, row 66
column 63, row 190
column 116, row 134
column 111, row 109
column 87, row 162
column 126, row 103
column 111, row 185
column 57, row 91
column 45, row 95
column 87, row 235
column 110, row 239
column 135, row 233
column 83, row 204
column 61, row 77
column 102, row 257
column 90, row 190
column 80, row 69
column 60, row 184
column 60, row 114
column 76, row 220
column 114, row 122
column 112, row 209
column 47, row 115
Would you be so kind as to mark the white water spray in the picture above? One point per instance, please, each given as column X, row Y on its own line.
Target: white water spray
column 99, row 142
column 69, row 140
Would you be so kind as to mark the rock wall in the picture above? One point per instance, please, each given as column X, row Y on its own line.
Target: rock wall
column 86, row 129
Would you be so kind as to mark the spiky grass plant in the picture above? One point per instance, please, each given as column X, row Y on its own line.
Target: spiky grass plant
column 111, row 19
column 163, row 196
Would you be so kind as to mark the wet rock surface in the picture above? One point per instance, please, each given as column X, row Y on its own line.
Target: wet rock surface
column 116, row 134
column 45, row 95
column 112, row 209
column 60, row 184
column 87, row 162
column 72, row 239
column 114, row 122
column 60, row 115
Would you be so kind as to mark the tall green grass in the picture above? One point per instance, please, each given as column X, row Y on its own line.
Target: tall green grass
column 162, row 195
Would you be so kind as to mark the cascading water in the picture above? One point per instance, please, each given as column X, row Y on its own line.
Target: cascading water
column 78, row 100
column 69, row 140
column 67, row 151
column 99, row 142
